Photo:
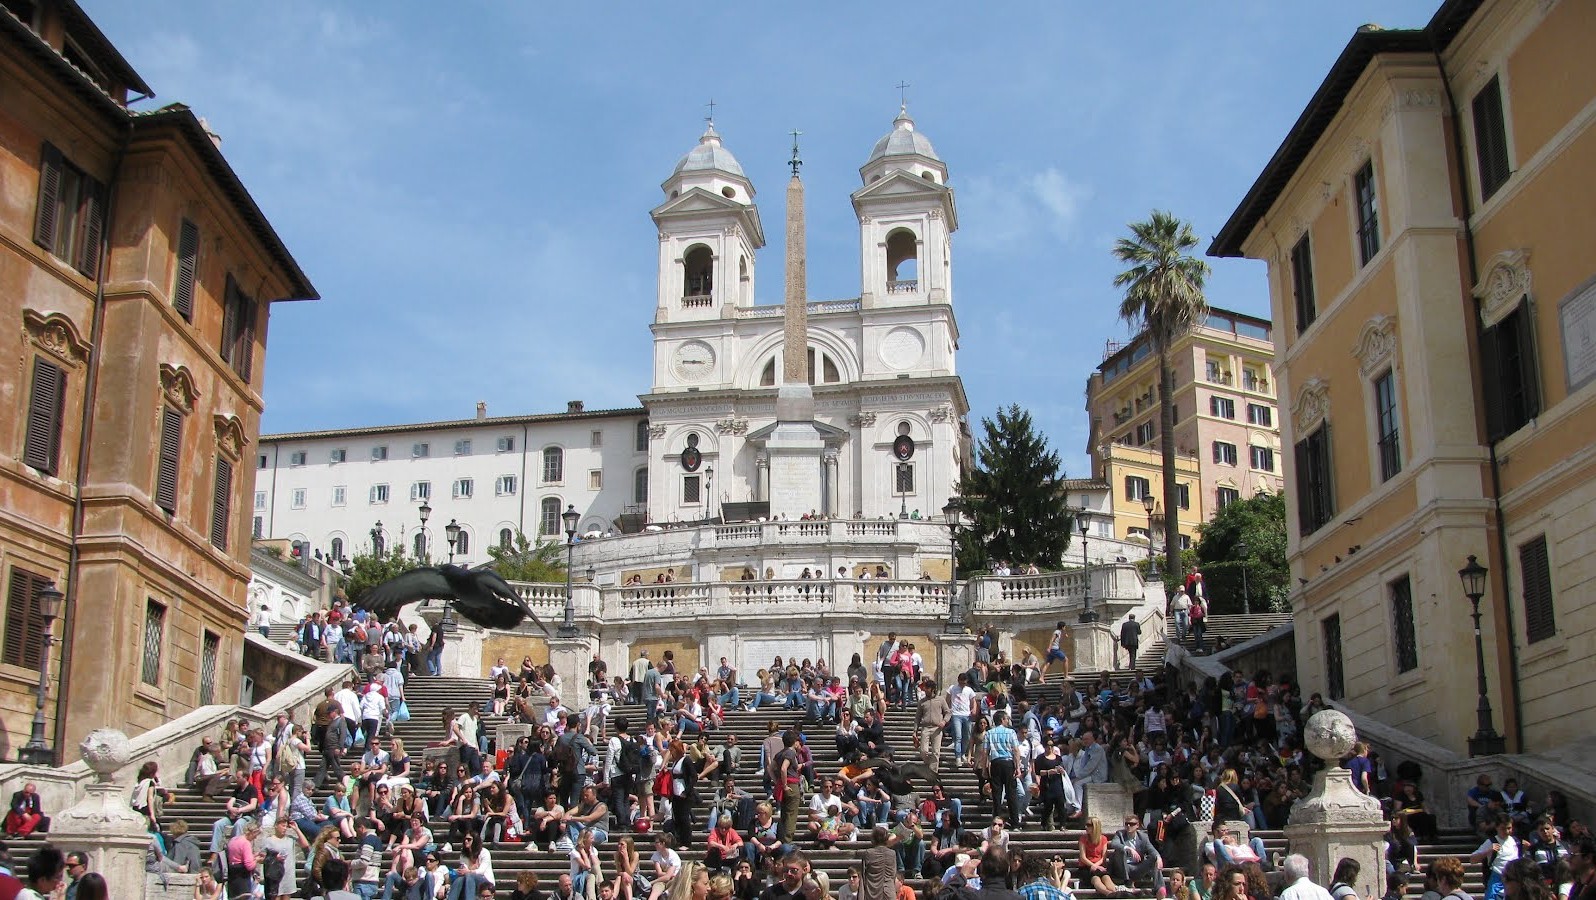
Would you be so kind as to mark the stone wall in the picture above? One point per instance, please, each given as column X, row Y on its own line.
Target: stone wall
column 272, row 668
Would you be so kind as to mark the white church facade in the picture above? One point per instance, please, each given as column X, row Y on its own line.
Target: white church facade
column 880, row 365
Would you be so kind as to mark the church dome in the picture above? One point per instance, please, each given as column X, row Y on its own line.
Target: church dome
column 903, row 140
column 709, row 156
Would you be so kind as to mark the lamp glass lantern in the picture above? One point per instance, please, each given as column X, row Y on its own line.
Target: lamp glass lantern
column 570, row 517
column 1473, row 577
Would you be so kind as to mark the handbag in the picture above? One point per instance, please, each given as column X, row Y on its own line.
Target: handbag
column 402, row 712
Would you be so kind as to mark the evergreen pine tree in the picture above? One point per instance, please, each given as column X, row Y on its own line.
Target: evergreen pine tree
column 1012, row 496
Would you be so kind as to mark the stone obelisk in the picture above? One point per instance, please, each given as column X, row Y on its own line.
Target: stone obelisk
column 795, row 447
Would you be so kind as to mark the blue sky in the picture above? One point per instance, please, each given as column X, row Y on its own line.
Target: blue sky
column 468, row 183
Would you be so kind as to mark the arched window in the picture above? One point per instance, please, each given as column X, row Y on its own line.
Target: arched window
column 640, row 486
column 420, row 545
column 549, row 516
column 506, row 538
column 462, row 543
column 698, row 267
column 337, row 551
column 828, row 370
column 903, row 262
column 553, row 465
column 642, row 436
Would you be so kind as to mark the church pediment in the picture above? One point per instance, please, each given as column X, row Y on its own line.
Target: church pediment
column 898, row 184
column 828, row 433
column 697, row 202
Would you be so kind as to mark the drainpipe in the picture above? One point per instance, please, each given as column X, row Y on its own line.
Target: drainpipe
column 91, row 389
column 520, row 521
column 1510, row 690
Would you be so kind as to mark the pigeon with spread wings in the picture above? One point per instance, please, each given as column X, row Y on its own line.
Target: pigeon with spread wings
column 895, row 776
column 478, row 594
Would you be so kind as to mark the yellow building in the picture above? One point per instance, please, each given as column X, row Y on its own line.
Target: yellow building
column 1427, row 225
column 1227, row 429
column 136, row 276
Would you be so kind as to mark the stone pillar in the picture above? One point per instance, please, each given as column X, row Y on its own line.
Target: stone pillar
column 955, row 654
column 102, row 824
column 1336, row 820
column 462, row 651
column 762, row 477
column 1094, row 648
column 569, row 657
column 832, row 488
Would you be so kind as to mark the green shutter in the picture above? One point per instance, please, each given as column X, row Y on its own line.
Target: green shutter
column 41, row 446
column 187, row 270
column 171, row 452
column 44, row 218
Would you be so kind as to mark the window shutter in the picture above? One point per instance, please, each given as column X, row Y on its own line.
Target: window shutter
column 1304, row 488
column 229, row 319
column 171, row 451
column 187, row 269
column 42, row 446
column 24, row 636
column 244, row 353
column 1540, row 620
column 1491, row 375
column 93, row 218
column 44, row 219
column 1529, row 374
column 221, row 499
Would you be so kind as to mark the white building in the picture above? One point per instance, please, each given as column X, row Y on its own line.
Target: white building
column 882, row 365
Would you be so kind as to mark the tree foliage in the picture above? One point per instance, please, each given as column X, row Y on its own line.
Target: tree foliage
column 525, row 560
column 370, row 569
column 1259, row 522
column 1012, row 495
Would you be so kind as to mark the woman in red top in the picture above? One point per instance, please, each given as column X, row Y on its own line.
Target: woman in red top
column 1094, row 859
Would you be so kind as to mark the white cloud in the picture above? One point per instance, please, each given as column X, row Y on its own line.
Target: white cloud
column 1018, row 210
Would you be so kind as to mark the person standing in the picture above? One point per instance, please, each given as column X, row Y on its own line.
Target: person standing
column 1001, row 744
column 786, row 781
column 1130, row 637
column 878, row 866
column 639, row 670
column 961, row 698
column 932, row 718
column 333, row 742
column 1180, row 606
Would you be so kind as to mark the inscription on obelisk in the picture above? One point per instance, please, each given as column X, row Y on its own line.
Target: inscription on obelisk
column 795, row 446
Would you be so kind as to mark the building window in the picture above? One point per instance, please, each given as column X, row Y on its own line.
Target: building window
column 1335, row 686
column 1490, row 138
column 1540, row 622
column 506, row 539
column 1512, row 388
column 1385, row 416
column 238, row 330
column 1144, row 433
column 1224, row 453
column 171, row 453
column 1316, row 504
column 1260, row 415
column 595, row 480
column 1223, row 407
column 640, row 486
column 338, row 455
column 420, row 450
column 71, row 213
column 379, row 493
column 462, row 543
column 188, row 245
column 257, row 528
column 1185, row 542
column 221, row 503
column 549, row 516
column 296, row 458
column 1368, row 213
column 462, row 448
column 420, row 491
column 504, row 485
column 1216, row 372
column 553, row 465
column 210, row 651
column 698, row 266
column 903, row 478
column 642, row 437
column 260, row 461
column 1403, row 630
column 1137, row 487
column 1262, row 458
column 1183, row 495
column 1254, row 380
column 154, row 638
column 418, row 546
column 1226, row 496
column 379, row 453
column 506, row 444
column 464, row 488
column 595, row 439
column 336, row 549
column 691, row 489
column 298, row 499
column 41, row 445
column 260, row 499
column 340, row 495
column 1302, row 283
column 24, row 639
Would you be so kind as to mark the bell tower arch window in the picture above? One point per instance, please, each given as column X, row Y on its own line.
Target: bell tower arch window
column 698, row 272
column 903, row 262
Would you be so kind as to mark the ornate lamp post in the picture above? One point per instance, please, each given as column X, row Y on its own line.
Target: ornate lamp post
column 1083, row 521
column 1485, row 742
column 953, row 517
column 452, row 534
column 36, row 752
column 570, row 517
column 426, row 551
column 903, row 496
column 1150, row 506
column 1246, row 601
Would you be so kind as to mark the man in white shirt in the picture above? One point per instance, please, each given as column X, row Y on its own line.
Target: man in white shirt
column 350, row 701
column 1055, row 650
column 1181, row 606
column 1298, row 885
column 961, row 699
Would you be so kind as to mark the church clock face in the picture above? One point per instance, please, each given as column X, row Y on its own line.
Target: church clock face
column 694, row 361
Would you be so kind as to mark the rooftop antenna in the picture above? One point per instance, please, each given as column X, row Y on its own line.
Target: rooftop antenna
column 795, row 162
column 903, row 94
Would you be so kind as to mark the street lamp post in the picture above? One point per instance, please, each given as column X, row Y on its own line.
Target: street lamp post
column 570, row 517
column 1150, row 506
column 709, row 493
column 903, row 496
column 452, row 533
column 1485, row 742
column 953, row 517
column 1246, row 601
column 1083, row 521
column 426, row 551
column 36, row 752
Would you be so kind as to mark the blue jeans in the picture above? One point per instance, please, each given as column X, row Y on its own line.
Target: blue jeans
column 961, row 735
column 574, row 829
column 688, row 726
column 761, row 698
column 872, row 813
column 1182, row 623
column 911, row 858
column 795, row 699
column 465, row 886
column 731, row 697
column 218, row 841
column 820, row 709
column 366, row 889
column 435, row 662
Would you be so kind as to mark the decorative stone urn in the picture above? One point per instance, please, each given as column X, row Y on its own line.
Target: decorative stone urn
column 1336, row 820
column 103, row 823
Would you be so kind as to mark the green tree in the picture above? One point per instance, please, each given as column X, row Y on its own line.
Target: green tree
column 525, row 561
column 1259, row 524
column 1164, row 297
column 1012, row 496
column 370, row 569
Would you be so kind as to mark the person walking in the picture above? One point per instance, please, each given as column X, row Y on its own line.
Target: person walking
column 932, row 717
column 332, row 747
column 1130, row 637
column 1001, row 744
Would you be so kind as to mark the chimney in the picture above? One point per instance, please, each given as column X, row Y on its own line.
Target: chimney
column 482, row 410
column 573, row 406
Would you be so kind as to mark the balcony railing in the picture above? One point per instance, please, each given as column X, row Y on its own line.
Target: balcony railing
column 694, row 301
column 1219, row 377
column 903, row 287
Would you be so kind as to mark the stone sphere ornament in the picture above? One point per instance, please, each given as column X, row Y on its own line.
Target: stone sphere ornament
column 1329, row 735
column 106, row 750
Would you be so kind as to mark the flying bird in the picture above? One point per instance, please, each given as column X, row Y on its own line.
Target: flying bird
column 480, row 595
column 895, row 776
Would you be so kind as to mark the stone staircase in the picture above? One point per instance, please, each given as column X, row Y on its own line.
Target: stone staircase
column 1235, row 629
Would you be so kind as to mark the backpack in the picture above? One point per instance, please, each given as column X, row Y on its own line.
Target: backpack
column 562, row 756
column 632, row 757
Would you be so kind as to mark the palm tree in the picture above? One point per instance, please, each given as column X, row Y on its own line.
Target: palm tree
column 1164, row 297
